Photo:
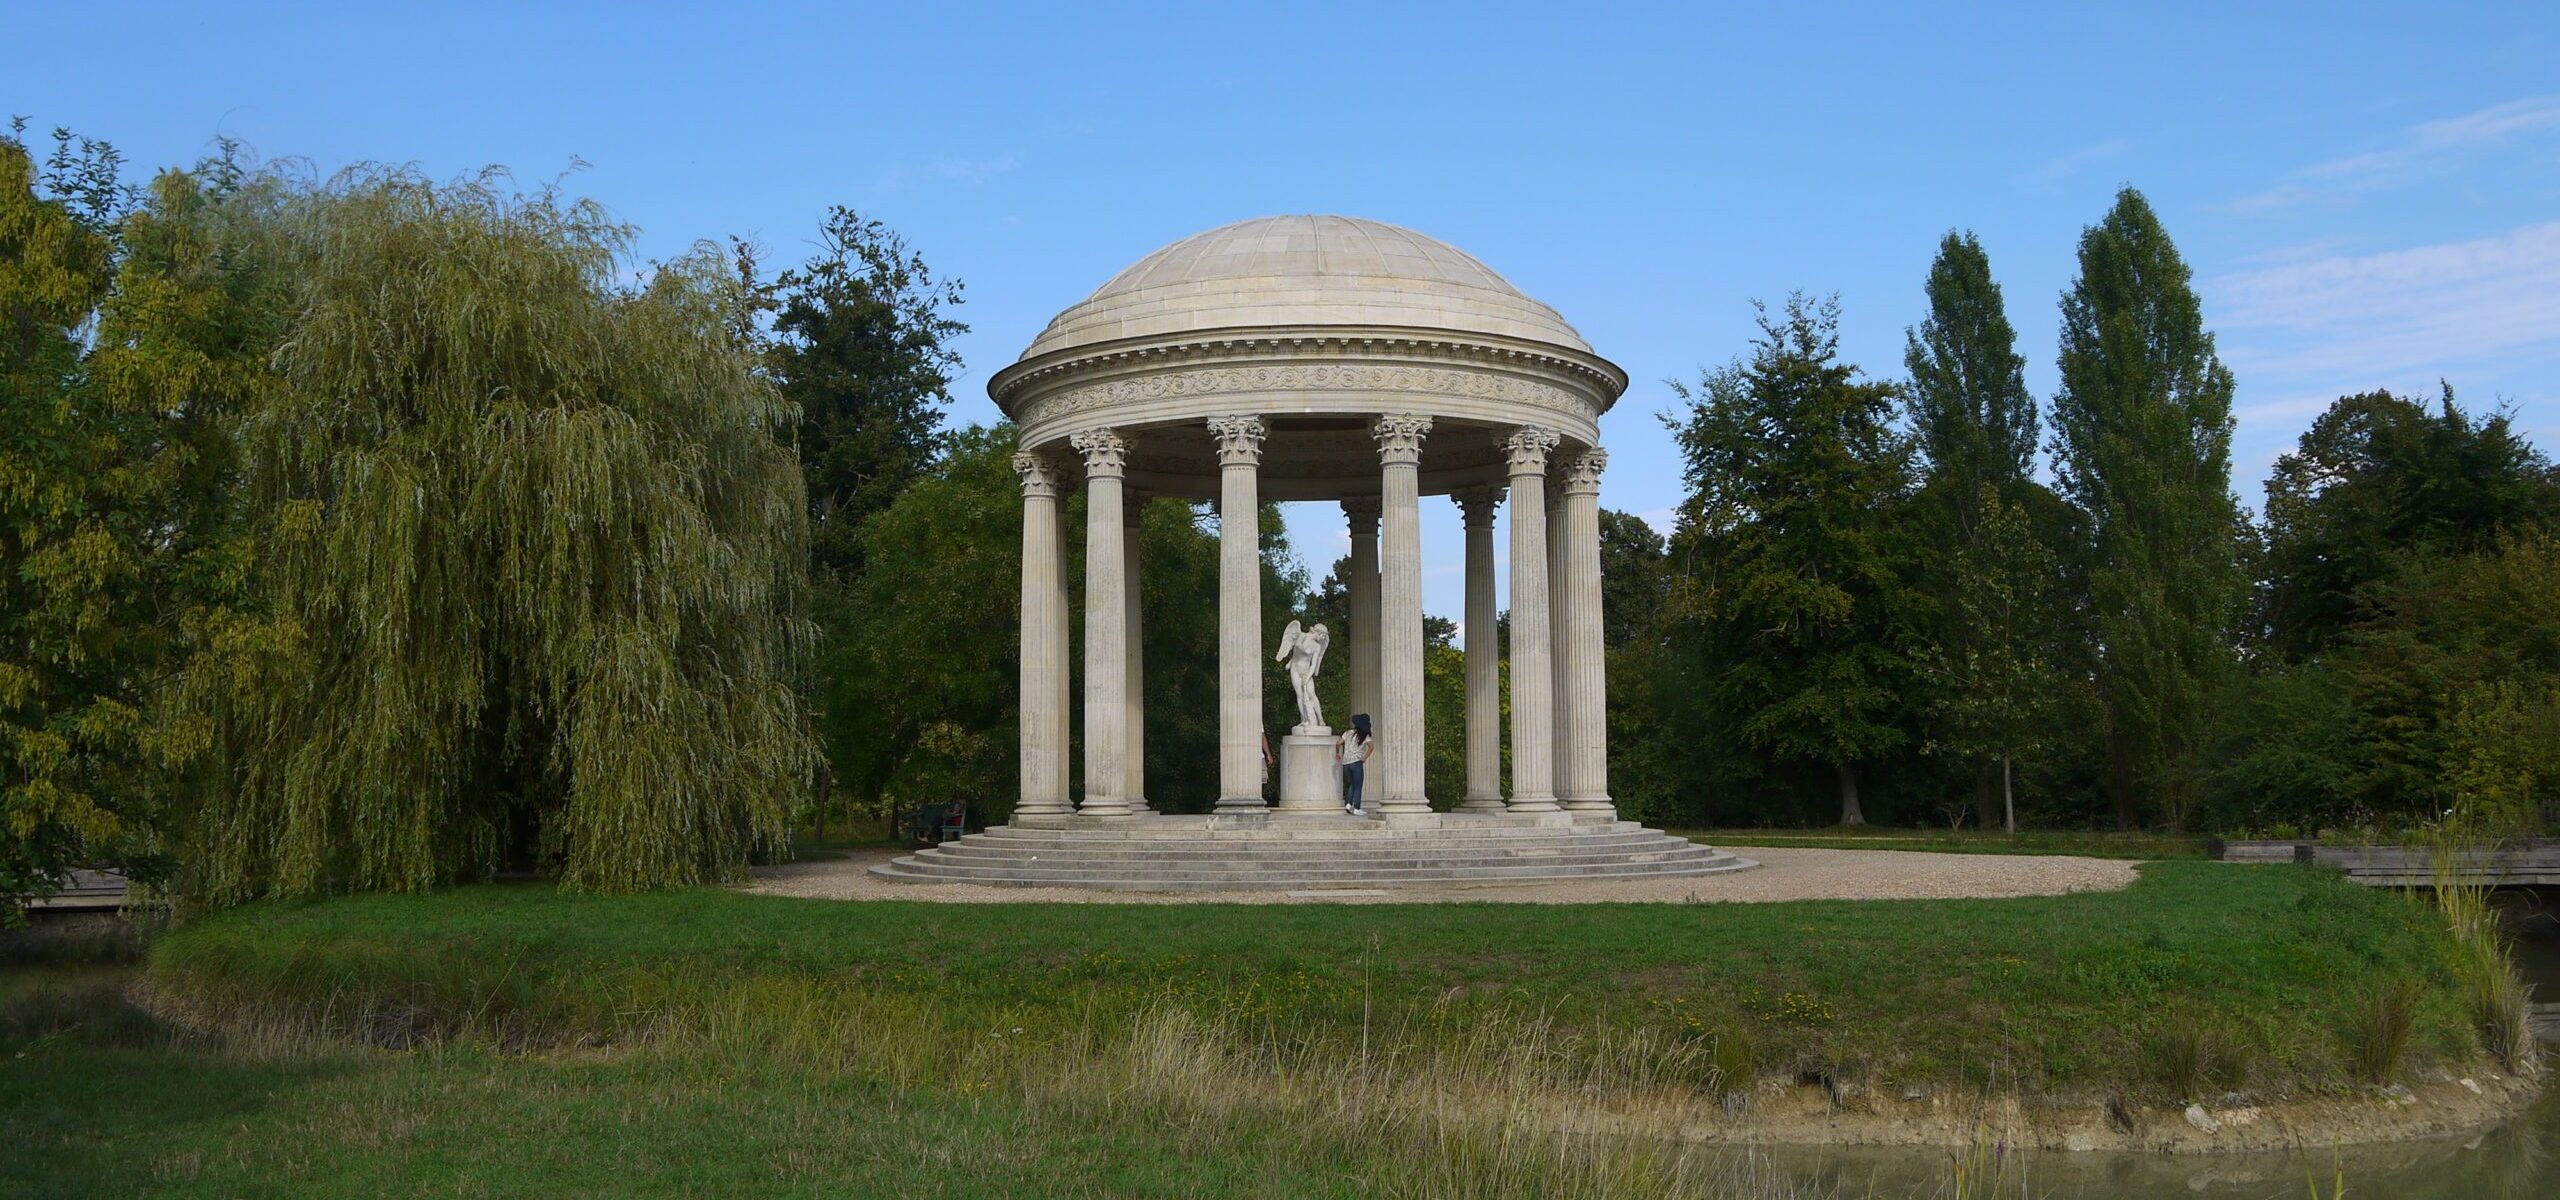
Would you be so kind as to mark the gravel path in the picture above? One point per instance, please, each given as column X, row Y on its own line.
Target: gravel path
column 1785, row 873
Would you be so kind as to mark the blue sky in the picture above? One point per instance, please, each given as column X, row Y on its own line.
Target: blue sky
column 2369, row 194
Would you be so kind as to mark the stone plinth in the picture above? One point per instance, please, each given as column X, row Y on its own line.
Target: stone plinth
column 1309, row 779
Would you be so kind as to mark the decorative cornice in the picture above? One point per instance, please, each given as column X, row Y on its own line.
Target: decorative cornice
column 1582, row 472
column 1239, row 438
column 1476, row 504
column 1249, row 377
column 1601, row 377
column 1106, row 453
column 1528, row 447
column 1040, row 477
column 1400, row 437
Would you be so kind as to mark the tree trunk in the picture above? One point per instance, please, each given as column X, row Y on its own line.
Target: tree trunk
column 2120, row 780
column 1849, row 814
column 2008, row 798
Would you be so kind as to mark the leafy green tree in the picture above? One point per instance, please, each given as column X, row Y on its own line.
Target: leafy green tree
column 1997, row 683
column 2455, row 650
column 2376, row 481
column 528, row 559
column 1793, row 469
column 861, row 343
column 73, row 778
column 2142, row 428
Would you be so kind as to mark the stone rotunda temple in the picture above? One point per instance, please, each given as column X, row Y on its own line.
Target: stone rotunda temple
column 1316, row 358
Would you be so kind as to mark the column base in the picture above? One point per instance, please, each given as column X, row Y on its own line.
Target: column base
column 1111, row 808
column 1481, row 804
column 1241, row 806
column 1533, row 804
column 1043, row 808
column 1591, row 804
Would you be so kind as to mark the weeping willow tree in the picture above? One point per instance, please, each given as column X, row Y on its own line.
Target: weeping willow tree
column 527, row 561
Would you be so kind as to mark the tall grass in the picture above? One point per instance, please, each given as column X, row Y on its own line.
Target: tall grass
column 1524, row 1104
column 2483, row 968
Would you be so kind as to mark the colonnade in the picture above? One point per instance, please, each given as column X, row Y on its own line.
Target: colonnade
column 1559, row 717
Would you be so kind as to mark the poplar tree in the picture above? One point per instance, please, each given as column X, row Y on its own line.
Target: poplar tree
column 2142, row 439
column 525, row 556
column 1974, row 425
column 1971, row 415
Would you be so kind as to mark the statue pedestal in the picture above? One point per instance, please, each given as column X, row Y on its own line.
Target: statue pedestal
column 1310, row 781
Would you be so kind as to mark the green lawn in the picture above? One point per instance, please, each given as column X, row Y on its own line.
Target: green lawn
column 2055, row 993
column 2090, row 843
column 713, row 1042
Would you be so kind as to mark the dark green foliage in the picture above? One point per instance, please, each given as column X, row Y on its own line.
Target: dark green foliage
column 1790, row 596
column 2376, row 481
column 1971, row 415
column 861, row 343
column 2142, row 442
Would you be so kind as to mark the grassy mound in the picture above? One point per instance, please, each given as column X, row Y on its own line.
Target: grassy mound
column 2200, row 977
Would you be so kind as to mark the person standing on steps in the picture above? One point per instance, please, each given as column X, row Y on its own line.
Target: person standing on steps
column 1353, row 753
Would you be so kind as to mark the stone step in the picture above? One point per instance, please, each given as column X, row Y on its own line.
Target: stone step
column 962, row 851
column 902, row 870
column 1317, row 829
column 1250, row 876
column 1316, row 850
column 1170, row 846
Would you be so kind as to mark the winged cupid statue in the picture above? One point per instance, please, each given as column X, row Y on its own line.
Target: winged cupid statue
column 1304, row 652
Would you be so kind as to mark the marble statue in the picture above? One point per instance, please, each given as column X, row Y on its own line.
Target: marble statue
column 1304, row 652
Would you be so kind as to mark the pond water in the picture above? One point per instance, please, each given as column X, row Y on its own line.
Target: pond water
column 2517, row 1161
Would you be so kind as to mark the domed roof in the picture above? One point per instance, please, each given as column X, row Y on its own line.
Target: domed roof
column 1304, row 271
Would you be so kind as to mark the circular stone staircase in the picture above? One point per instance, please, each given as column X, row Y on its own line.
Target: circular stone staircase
column 1313, row 852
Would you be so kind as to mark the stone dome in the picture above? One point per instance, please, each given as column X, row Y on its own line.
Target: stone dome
column 1304, row 272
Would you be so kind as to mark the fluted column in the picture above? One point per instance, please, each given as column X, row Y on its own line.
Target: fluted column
column 1362, row 513
column 1043, row 719
column 1135, row 520
column 1586, row 785
column 1239, row 439
column 1399, row 717
column 1532, row 675
column 1560, row 706
column 1484, row 655
column 1106, row 627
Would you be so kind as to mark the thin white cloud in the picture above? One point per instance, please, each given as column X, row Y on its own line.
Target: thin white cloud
column 2409, row 154
column 965, row 172
column 2352, row 320
column 2053, row 172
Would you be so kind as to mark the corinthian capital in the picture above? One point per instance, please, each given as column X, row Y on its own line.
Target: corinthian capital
column 1476, row 504
column 1400, row 437
column 1582, row 472
column 1106, row 453
column 1361, row 512
column 1239, row 438
column 1039, row 475
column 1528, row 447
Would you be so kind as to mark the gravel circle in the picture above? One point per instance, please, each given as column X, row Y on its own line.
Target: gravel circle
column 1785, row 873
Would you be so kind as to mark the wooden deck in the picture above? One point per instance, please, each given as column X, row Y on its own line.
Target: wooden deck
column 2533, row 865
column 85, row 891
